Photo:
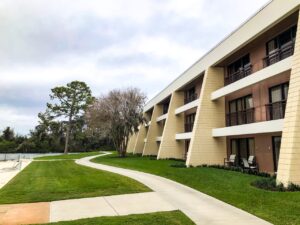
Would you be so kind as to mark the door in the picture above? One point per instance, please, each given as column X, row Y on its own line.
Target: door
column 242, row 148
column 276, row 151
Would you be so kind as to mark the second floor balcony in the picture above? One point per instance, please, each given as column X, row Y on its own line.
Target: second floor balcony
column 275, row 110
column 188, row 127
column 240, row 117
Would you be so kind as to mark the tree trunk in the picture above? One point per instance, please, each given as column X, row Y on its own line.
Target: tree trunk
column 67, row 136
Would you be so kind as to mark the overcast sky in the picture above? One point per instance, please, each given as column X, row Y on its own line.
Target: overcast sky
column 107, row 44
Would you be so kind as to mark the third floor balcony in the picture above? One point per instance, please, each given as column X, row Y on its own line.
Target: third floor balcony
column 191, row 97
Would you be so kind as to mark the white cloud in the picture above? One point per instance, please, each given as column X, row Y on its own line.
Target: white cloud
column 108, row 44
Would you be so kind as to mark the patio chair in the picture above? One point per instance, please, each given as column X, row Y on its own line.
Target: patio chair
column 251, row 160
column 230, row 161
column 246, row 165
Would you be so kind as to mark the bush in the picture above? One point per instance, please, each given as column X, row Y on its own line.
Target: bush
column 237, row 169
column 270, row 184
column 178, row 165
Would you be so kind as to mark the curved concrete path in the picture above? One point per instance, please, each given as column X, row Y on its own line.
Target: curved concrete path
column 201, row 208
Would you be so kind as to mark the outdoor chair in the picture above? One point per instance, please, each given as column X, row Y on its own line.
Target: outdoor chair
column 230, row 161
column 246, row 165
column 251, row 160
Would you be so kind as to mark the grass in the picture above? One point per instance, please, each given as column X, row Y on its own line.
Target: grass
column 67, row 156
column 232, row 187
column 160, row 218
column 56, row 180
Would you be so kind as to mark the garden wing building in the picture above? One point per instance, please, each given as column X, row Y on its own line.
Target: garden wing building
column 241, row 99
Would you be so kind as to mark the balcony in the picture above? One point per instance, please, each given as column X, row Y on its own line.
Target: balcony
column 247, row 129
column 240, row 74
column 183, row 136
column 279, row 54
column 275, row 110
column 188, row 127
column 162, row 117
column 158, row 139
column 240, row 117
column 190, row 98
column 261, row 75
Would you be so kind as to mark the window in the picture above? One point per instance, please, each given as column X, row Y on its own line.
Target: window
column 239, row 64
column 190, row 95
column 189, row 122
column 241, row 111
column 277, row 98
column 238, row 70
column 280, row 47
column 276, row 150
column 165, row 108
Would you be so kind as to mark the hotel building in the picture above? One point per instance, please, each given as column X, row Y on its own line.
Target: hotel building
column 241, row 98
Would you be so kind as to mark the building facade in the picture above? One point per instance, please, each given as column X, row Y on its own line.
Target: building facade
column 242, row 98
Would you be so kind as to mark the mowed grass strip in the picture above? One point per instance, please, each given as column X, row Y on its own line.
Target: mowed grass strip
column 160, row 218
column 57, row 180
column 282, row 208
column 68, row 156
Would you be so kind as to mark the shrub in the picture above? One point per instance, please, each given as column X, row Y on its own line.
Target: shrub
column 237, row 169
column 270, row 184
column 178, row 165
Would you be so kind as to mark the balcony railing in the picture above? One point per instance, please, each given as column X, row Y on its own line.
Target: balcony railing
column 276, row 110
column 240, row 74
column 190, row 98
column 240, row 117
column 279, row 54
column 188, row 127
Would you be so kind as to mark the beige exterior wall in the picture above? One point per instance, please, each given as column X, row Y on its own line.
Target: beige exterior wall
column 289, row 160
column 139, row 143
column 169, row 147
column 131, row 142
column 151, row 145
column 204, row 149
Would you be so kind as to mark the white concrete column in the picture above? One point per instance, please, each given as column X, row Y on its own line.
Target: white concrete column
column 169, row 147
column 205, row 149
column 289, row 160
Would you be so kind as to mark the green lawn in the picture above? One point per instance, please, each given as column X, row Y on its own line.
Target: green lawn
column 160, row 218
column 55, row 180
column 68, row 156
column 228, row 186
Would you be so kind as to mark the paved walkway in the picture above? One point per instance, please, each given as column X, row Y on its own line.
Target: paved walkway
column 168, row 195
column 7, row 173
column 201, row 208
column 108, row 206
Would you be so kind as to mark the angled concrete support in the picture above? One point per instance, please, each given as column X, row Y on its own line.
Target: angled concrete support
column 151, row 145
column 169, row 147
column 204, row 149
column 139, row 143
column 131, row 142
column 289, row 160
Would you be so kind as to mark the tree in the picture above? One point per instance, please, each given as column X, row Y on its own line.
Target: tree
column 71, row 101
column 8, row 134
column 117, row 115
